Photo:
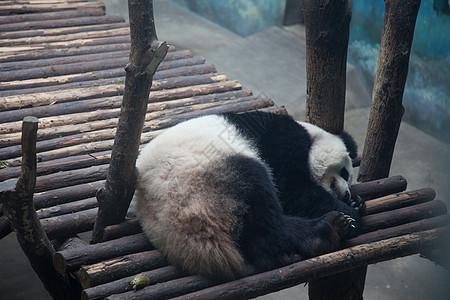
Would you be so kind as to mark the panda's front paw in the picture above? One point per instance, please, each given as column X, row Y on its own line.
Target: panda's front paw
column 359, row 204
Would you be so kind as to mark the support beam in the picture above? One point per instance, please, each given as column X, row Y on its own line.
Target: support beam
column 145, row 55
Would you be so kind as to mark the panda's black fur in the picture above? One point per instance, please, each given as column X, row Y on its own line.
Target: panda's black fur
column 220, row 191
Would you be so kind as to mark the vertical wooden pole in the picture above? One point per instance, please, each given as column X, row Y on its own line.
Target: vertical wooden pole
column 387, row 110
column 19, row 208
column 145, row 55
column 327, row 31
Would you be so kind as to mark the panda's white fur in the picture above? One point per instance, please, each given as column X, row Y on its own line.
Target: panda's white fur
column 198, row 223
column 171, row 191
column 326, row 159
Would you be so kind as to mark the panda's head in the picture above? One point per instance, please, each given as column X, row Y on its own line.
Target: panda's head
column 330, row 160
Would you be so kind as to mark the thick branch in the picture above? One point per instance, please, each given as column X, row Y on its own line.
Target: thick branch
column 145, row 55
column 327, row 30
column 19, row 208
column 387, row 110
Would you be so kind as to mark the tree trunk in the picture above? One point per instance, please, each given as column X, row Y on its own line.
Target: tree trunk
column 145, row 55
column 18, row 207
column 327, row 31
column 387, row 110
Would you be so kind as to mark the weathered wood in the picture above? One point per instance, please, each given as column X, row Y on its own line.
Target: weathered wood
column 123, row 30
column 13, row 38
column 100, row 142
column 398, row 200
column 120, row 267
column 8, row 51
column 54, row 53
column 109, row 118
column 39, row 8
column 41, row 99
column 66, row 194
column 123, row 285
column 111, row 102
column 125, row 228
column 81, row 64
column 145, row 55
column 399, row 230
column 72, row 259
column 52, row 15
column 313, row 268
column 69, row 225
column 32, row 26
column 67, row 208
column 18, row 207
column 403, row 215
column 386, row 109
column 167, row 83
column 327, row 26
column 379, row 188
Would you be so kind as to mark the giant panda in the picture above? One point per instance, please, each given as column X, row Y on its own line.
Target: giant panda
column 218, row 192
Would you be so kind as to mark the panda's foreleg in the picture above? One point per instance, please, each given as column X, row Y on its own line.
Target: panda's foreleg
column 269, row 238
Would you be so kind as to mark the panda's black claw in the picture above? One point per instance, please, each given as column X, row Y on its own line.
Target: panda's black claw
column 359, row 204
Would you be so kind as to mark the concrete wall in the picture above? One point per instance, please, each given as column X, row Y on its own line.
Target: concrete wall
column 243, row 17
column 427, row 93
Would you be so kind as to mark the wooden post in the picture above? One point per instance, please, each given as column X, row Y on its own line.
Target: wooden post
column 387, row 110
column 19, row 208
column 327, row 30
column 145, row 56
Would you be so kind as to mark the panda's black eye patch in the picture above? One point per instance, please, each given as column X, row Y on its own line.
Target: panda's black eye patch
column 344, row 174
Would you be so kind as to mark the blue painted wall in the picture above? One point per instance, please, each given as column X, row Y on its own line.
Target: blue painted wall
column 243, row 17
column 426, row 98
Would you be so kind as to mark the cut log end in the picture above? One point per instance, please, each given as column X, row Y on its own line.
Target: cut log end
column 59, row 263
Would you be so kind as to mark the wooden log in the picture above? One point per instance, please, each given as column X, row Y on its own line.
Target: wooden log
column 19, row 208
column 120, row 267
column 61, row 23
column 41, row 99
column 403, row 215
column 54, row 53
column 73, row 145
column 40, row 8
column 67, row 208
column 327, row 25
column 125, row 228
column 317, row 267
column 73, row 177
column 71, row 260
column 7, row 51
column 47, row 35
column 398, row 200
column 399, row 230
column 372, row 189
column 108, row 117
column 67, row 194
column 78, row 13
column 123, row 285
column 77, row 64
column 54, row 70
column 145, row 55
column 69, row 225
column 31, row 64
column 386, row 109
column 168, row 83
column 61, row 164
column 81, row 106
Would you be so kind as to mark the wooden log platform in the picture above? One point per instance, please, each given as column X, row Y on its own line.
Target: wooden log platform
column 63, row 61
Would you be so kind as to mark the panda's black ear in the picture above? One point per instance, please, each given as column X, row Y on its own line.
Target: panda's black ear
column 350, row 143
